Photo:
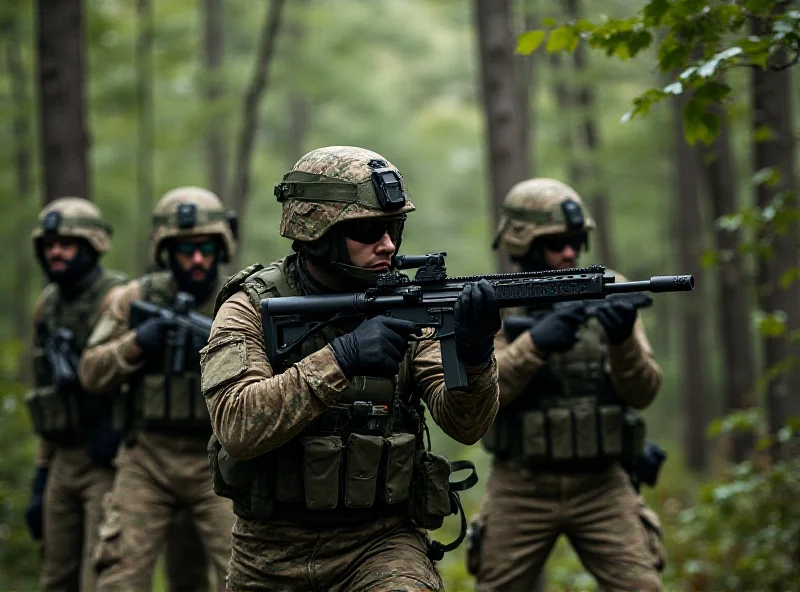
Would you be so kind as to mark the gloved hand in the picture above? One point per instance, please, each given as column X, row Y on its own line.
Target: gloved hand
column 617, row 319
column 477, row 320
column 152, row 334
column 375, row 348
column 35, row 508
column 558, row 331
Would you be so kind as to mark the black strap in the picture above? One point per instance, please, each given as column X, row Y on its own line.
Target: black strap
column 469, row 481
column 436, row 550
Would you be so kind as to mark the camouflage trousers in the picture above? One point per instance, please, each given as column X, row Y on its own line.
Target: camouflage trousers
column 278, row 556
column 72, row 512
column 616, row 536
column 157, row 479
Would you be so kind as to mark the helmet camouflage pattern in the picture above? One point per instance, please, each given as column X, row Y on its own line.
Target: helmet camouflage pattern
column 538, row 207
column 74, row 217
column 188, row 212
column 338, row 183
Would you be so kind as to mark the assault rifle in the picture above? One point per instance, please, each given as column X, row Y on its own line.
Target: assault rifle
column 59, row 349
column 188, row 327
column 514, row 325
column 429, row 299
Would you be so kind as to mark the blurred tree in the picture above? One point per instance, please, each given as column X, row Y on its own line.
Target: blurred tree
column 689, row 236
column 214, row 89
column 507, row 164
column 258, row 84
column 297, row 101
column 774, row 157
column 64, row 133
column 23, row 186
column 738, row 376
column 145, row 141
column 588, row 176
column 526, row 77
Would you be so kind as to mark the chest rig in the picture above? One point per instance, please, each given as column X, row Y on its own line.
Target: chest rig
column 568, row 415
column 61, row 411
column 361, row 458
column 157, row 399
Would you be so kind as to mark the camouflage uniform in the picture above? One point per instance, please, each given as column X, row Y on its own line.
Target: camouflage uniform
column 76, row 440
column 540, row 488
column 163, row 468
column 271, row 456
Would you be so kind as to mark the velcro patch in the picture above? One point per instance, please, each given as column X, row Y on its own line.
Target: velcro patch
column 222, row 361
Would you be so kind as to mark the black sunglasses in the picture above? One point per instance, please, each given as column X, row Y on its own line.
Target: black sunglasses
column 368, row 233
column 556, row 244
column 207, row 247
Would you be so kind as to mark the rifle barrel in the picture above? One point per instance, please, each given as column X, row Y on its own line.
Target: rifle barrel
column 656, row 284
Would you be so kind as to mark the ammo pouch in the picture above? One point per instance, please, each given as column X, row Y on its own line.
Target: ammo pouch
column 172, row 403
column 434, row 496
column 573, row 430
column 55, row 415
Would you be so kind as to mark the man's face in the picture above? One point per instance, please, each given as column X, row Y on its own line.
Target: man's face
column 58, row 251
column 195, row 255
column 369, row 244
column 561, row 250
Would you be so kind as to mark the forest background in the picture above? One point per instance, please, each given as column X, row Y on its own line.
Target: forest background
column 228, row 94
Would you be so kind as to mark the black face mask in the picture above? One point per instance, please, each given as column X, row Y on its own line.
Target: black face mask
column 202, row 289
column 84, row 262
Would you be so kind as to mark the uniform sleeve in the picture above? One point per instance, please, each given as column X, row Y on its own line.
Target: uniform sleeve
column 635, row 374
column 463, row 414
column 253, row 410
column 517, row 364
column 111, row 356
column 44, row 453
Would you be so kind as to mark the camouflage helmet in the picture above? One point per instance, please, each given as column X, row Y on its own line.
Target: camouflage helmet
column 537, row 207
column 338, row 183
column 74, row 217
column 188, row 212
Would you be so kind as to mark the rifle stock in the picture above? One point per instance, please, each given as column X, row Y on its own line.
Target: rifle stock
column 429, row 299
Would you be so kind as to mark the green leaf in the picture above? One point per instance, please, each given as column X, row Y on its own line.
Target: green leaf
column 654, row 12
column 769, row 176
column 528, row 42
column 549, row 22
column 712, row 91
column 788, row 277
column 763, row 133
column 584, row 26
column 561, row 39
column 770, row 325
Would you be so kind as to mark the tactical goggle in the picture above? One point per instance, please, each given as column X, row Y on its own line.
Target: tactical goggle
column 369, row 232
column 556, row 244
column 207, row 247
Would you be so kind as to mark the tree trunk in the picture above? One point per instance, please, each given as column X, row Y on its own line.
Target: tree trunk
column 588, row 176
column 689, row 232
column 501, row 103
column 21, row 135
column 244, row 152
column 145, row 133
column 772, row 111
column 212, row 60
column 527, row 86
column 738, row 381
column 298, row 127
column 564, row 99
column 64, row 139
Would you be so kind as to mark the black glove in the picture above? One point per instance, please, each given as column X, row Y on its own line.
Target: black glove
column 477, row 320
column 152, row 334
column 35, row 509
column 375, row 348
column 617, row 319
column 558, row 331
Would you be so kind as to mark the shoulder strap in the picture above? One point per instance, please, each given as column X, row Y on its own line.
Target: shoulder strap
column 234, row 284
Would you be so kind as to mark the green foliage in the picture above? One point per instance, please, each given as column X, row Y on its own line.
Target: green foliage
column 701, row 40
column 19, row 555
column 743, row 533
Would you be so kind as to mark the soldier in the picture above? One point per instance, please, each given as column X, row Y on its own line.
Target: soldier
column 568, row 390
column 326, row 498
column 163, row 467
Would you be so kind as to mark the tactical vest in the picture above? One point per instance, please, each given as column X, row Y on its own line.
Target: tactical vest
column 157, row 400
column 360, row 459
column 569, row 415
column 64, row 416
